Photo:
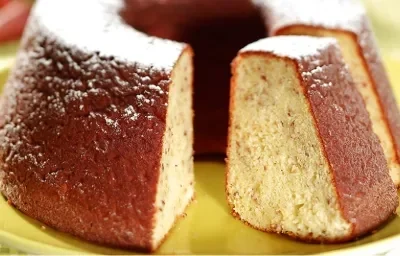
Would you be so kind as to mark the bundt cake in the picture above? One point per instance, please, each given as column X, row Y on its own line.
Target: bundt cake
column 302, row 157
column 96, row 126
column 346, row 20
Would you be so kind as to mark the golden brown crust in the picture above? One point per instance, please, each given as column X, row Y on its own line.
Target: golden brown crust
column 81, row 140
column 79, row 169
column 346, row 17
column 383, row 89
column 366, row 193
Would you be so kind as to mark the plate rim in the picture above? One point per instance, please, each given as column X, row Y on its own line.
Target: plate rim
column 27, row 245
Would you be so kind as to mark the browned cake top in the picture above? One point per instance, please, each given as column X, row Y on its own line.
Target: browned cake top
column 357, row 162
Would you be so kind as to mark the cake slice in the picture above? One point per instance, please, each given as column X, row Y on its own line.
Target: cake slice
column 302, row 157
column 347, row 21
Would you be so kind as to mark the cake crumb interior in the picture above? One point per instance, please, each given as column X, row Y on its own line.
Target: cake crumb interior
column 176, row 181
column 278, row 179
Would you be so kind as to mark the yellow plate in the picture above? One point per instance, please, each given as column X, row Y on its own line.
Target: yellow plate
column 208, row 227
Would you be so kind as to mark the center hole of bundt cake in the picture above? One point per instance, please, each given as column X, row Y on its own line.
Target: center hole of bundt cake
column 215, row 45
column 215, row 40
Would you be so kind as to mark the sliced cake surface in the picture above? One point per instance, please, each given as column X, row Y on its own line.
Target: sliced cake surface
column 302, row 157
column 347, row 21
column 96, row 133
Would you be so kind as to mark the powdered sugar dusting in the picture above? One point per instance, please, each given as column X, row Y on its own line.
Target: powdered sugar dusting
column 156, row 88
column 319, row 77
column 75, row 95
column 295, row 47
column 120, row 81
column 104, row 32
column 333, row 14
column 131, row 113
